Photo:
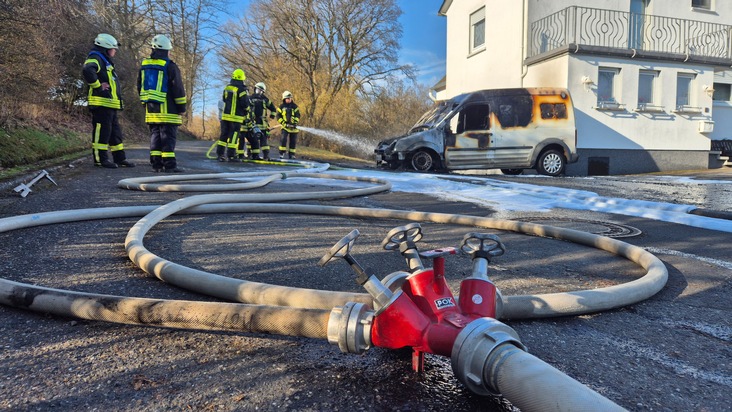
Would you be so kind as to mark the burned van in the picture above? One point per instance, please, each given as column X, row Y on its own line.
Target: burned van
column 507, row 129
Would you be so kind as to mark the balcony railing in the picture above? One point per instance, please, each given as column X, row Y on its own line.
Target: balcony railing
column 602, row 30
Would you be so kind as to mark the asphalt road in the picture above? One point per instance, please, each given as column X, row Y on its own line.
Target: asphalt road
column 672, row 352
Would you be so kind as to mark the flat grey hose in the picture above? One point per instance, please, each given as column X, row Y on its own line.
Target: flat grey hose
column 311, row 323
column 514, row 307
column 304, row 312
column 533, row 385
column 163, row 183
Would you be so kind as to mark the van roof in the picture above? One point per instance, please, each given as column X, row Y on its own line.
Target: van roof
column 490, row 94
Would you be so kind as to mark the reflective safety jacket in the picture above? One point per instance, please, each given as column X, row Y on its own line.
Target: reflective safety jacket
column 161, row 89
column 288, row 115
column 154, row 80
column 98, row 69
column 236, row 102
column 260, row 104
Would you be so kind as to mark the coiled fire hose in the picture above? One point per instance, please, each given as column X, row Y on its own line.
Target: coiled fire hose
column 293, row 311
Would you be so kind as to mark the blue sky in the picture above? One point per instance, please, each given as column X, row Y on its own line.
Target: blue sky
column 423, row 37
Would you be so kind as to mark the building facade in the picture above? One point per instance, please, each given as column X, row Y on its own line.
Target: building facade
column 650, row 79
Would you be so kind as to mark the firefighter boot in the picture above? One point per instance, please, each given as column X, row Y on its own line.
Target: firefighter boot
column 103, row 157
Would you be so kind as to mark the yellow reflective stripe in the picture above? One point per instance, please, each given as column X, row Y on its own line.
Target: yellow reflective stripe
column 92, row 61
column 96, row 84
column 163, row 116
column 157, row 62
column 152, row 95
column 232, row 118
column 100, row 146
column 97, row 132
column 168, row 155
column 117, row 147
column 234, row 141
column 112, row 84
column 155, row 153
column 168, row 118
column 221, row 143
column 104, row 102
column 180, row 100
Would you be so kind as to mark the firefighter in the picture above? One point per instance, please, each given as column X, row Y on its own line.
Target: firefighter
column 105, row 101
column 288, row 115
column 247, row 130
column 235, row 111
column 160, row 85
column 260, row 105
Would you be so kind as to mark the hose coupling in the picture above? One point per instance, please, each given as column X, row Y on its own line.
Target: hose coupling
column 349, row 327
column 472, row 349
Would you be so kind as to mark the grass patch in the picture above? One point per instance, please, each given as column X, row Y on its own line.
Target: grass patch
column 29, row 146
column 11, row 172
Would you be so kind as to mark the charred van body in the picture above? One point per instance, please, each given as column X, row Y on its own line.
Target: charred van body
column 507, row 129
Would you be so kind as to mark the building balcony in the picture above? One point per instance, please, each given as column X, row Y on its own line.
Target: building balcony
column 630, row 35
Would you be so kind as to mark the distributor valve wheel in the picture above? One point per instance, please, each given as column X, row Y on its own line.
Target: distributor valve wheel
column 401, row 234
column 341, row 249
column 482, row 244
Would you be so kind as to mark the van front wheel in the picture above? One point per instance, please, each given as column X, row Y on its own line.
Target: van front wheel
column 423, row 161
column 551, row 163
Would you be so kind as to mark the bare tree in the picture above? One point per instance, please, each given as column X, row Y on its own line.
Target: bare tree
column 329, row 46
column 39, row 53
column 191, row 25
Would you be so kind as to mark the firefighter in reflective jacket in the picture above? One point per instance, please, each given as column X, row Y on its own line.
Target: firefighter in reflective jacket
column 288, row 115
column 104, row 102
column 161, row 91
column 260, row 105
column 235, row 111
column 247, row 131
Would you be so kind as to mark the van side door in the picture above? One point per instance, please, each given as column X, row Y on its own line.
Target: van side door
column 468, row 139
column 514, row 134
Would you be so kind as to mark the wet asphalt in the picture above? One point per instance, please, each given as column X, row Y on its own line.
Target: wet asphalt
column 672, row 352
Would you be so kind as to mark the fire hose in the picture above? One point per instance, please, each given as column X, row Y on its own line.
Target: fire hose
column 270, row 308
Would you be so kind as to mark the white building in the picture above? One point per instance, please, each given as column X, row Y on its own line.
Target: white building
column 642, row 73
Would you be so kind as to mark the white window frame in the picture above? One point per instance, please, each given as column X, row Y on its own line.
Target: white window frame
column 650, row 105
column 477, row 19
column 610, row 102
column 706, row 5
column 722, row 92
column 685, row 103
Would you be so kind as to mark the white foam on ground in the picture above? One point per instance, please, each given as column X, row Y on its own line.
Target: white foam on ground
column 524, row 197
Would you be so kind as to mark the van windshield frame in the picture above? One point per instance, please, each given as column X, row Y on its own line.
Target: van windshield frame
column 433, row 117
